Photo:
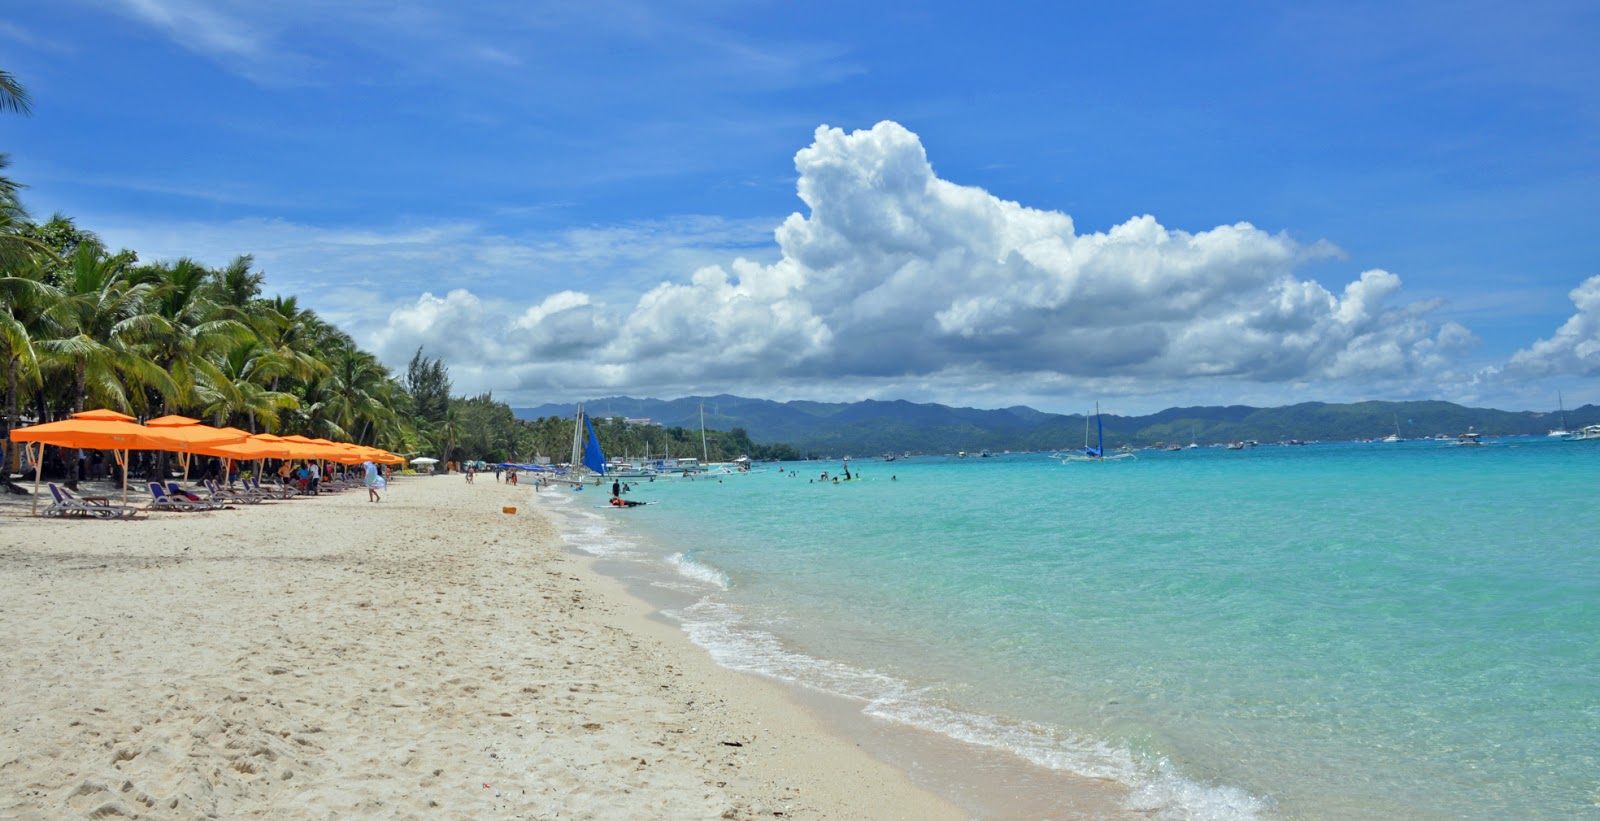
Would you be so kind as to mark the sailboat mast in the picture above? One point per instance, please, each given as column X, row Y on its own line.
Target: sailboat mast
column 577, row 441
column 1100, row 431
column 705, row 455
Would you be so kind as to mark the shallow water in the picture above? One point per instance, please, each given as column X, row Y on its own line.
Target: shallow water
column 1328, row 631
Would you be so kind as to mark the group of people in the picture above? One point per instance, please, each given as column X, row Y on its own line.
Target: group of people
column 617, row 489
column 309, row 476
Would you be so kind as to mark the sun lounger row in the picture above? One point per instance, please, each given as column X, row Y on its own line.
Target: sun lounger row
column 173, row 497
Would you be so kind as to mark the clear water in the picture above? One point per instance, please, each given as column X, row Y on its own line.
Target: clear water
column 1329, row 631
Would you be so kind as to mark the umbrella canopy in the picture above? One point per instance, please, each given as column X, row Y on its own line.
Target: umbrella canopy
column 246, row 450
column 193, row 435
column 97, row 434
column 172, row 421
column 103, row 415
column 286, row 448
column 424, row 460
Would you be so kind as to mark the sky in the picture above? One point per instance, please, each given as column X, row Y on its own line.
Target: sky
column 1146, row 204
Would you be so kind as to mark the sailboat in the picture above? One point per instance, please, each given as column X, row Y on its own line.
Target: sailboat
column 1395, row 437
column 586, row 451
column 1098, row 452
column 1561, row 431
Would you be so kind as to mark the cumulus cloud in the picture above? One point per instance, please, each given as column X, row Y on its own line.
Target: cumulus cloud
column 1575, row 347
column 898, row 276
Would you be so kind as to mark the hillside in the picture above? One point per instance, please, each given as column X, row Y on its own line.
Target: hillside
column 872, row 427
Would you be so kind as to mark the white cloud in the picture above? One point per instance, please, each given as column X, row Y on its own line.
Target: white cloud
column 1574, row 349
column 896, row 283
column 899, row 276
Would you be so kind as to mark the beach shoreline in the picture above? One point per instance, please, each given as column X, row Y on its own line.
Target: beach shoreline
column 426, row 656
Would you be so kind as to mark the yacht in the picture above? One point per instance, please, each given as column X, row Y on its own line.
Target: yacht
column 1562, row 432
column 1589, row 432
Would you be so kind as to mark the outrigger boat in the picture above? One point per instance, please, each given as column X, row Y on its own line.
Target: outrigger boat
column 1098, row 452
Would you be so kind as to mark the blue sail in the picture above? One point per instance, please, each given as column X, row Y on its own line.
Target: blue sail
column 1100, row 432
column 593, row 458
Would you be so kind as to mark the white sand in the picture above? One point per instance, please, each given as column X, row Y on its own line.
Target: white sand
column 427, row 656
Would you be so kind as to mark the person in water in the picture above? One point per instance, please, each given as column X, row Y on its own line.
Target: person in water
column 618, row 501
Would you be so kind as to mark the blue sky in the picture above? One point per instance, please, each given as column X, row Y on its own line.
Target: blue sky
column 1148, row 204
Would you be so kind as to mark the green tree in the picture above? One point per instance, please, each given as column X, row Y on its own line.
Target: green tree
column 428, row 382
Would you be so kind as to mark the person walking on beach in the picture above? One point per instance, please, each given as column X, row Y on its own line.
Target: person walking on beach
column 373, row 482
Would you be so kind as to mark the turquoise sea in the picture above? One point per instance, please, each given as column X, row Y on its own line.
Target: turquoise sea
column 1328, row 631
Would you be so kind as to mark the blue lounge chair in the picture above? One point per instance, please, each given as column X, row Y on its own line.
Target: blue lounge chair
column 166, row 501
column 68, row 505
column 217, row 493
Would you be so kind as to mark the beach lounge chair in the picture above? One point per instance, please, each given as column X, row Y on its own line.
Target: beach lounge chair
column 175, row 489
column 94, row 507
column 165, row 501
column 221, row 494
column 286, row 489
column 269, row 491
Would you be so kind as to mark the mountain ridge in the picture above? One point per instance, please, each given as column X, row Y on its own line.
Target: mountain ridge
column 876, row 426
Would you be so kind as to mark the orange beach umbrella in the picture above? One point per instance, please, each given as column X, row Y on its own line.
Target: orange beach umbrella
column 93, row 433
column 194, row 436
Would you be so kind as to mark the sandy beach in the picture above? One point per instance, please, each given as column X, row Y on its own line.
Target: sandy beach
column 429, row 656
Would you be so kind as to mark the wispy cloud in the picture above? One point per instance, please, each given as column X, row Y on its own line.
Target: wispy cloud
column 17, row 34
column 246, row 38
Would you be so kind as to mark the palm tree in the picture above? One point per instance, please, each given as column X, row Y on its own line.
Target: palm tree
column 182, row 332
column 359, row 403
column 97, row 308
column 17, row 248
column 13, row 97
column 246, row 368
column 288, row 332
column 25, row 318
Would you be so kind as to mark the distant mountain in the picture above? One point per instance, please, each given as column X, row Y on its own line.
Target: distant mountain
column 872, row 427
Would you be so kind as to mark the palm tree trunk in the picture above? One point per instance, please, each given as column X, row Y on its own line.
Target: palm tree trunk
column 11, row 417
column 10, row 465
column 81, row 392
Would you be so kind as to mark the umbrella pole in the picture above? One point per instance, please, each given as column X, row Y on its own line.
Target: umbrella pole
column 122, row 462
column 184, row 458
column 38, row 470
